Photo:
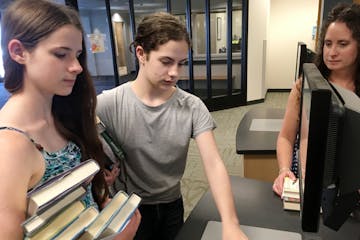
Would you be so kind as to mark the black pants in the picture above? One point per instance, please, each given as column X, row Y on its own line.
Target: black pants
column 160, row 221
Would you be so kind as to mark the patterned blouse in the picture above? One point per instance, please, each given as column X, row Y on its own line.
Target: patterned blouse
column 60, row 161
column 295, row 157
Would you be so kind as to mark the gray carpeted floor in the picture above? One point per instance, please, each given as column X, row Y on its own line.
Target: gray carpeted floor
column 194, row 183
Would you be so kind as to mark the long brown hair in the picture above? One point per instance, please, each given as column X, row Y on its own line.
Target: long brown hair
column 350, row 15
column 30, row 21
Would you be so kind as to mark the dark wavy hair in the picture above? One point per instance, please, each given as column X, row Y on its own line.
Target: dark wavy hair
column 31, row 21
column 157, row 29
column 350, row 15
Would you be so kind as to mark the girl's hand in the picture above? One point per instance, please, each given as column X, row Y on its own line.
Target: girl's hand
column 110, row 176
column 130, row 230
column 232, row 231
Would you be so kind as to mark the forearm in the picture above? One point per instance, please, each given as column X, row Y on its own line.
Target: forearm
column 287, row 136
column 10, row 226
column 220, row 187
column 284, row 153
column 217, row 176
column 219, row 182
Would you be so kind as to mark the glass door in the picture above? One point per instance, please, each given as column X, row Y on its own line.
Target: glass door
column 216, row 70
column 98, row 40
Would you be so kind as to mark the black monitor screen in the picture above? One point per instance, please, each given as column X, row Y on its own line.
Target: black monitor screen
column 321, row 153
column 301, row 58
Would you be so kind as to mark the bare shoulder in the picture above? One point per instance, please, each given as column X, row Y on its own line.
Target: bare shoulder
column 20, row 169
column 19, row 156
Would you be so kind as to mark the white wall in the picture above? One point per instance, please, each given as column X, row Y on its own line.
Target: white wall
column 257, row 37
column 290, row 21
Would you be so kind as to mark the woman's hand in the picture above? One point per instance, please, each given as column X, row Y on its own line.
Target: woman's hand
column 279, row 181
column 130, row 230
column 110, row 176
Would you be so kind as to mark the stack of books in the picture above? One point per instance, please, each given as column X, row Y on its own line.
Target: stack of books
column 55, row 209
column 291, row 195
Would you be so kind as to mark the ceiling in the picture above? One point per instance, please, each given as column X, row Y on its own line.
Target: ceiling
column 160, row 5
column 145, row 5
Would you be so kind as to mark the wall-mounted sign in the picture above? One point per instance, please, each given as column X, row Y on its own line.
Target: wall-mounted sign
column 97, row 42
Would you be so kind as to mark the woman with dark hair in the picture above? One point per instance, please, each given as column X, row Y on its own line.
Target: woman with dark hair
column 337, row 58
column 48, row 123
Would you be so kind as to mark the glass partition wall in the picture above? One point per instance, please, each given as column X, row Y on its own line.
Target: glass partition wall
column 216, row 47
column 216, row 70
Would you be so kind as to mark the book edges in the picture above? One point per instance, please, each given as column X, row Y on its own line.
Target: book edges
column 74, row 221
column 56, row 178
column 292, row 199
column 291, row 195
column 293, row 206
column 77, row 227
column 34, row 223
column 58, row 223
column 45, row 203
column 290, row 186
column 123, row 216
column 105, row 216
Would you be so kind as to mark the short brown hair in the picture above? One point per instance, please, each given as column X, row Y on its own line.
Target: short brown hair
column 157, row 29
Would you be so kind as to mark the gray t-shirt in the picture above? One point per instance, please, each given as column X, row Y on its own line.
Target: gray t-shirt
column 155, row 139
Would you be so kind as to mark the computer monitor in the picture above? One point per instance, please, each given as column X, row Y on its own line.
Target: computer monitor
column 301, row 58
column 303, row 55
column 329, row 145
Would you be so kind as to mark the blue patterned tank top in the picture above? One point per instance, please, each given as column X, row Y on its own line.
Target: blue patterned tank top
column 60, row 161
column 295, row 157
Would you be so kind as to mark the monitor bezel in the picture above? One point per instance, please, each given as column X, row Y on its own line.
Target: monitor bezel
column 323, row 106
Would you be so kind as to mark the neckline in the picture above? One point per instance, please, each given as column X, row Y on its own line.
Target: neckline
column 61, row 150
column 153, row 108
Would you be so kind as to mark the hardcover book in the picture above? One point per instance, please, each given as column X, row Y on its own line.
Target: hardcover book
column 294, row 206
column 122, row 217
column 34, row 223
column 78, row 225
column 103, row 219
column 291, row 195
column 56, row 188
column 58, row 223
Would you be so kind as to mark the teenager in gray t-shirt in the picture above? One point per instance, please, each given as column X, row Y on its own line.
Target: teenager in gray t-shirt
column 153, row 121
column 155, row 139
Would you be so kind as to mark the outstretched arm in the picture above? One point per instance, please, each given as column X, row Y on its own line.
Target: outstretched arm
column 286, row 138
column 220, row 185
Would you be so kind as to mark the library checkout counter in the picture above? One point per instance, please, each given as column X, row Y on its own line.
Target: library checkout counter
column 257, row 205
column 256, row 139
